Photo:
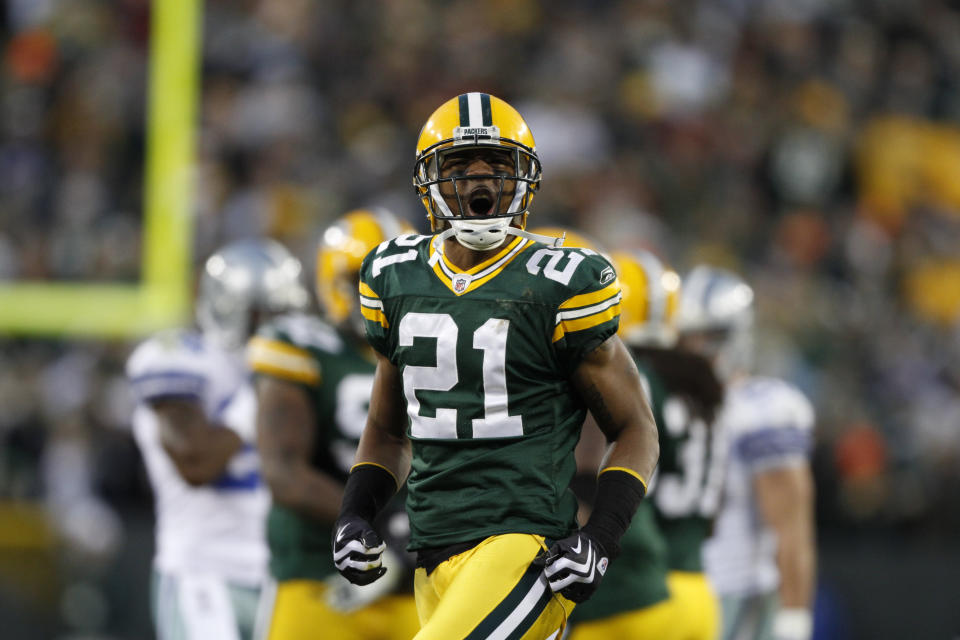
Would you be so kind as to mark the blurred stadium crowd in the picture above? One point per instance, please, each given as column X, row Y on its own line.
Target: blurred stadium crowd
column 812, row 146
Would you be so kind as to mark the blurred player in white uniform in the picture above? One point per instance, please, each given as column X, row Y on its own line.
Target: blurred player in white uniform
column 761, row 558
column 195, row 425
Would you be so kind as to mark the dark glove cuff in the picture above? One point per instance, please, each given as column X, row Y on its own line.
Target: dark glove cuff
column 619, row 493
column 369, row 487
column 584, row 486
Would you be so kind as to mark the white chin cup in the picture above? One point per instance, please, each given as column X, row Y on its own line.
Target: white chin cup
column 480, row 235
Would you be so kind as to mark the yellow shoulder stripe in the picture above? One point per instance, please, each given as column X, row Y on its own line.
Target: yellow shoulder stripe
column 365, row 290
column 586, row 299
column 282, row 360
column 375, row 315
column 587, row 322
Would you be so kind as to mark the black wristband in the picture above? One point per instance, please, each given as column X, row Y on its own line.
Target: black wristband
column 584, row 486
column 369, row 487
column 619, row 493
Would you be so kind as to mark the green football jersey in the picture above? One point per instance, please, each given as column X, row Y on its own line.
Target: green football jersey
column 485, row 358
column 337, row 373
column 685, row 490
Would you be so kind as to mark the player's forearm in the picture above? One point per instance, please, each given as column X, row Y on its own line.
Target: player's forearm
column 380, row 467
column 381, row 447
column 295, row 485
column 624, row 474
column 637, row 447
column 784, row 498
column 796, row 561
column 207, row 456
column 286, row 424
column 199, row 450
column 630, row 426
column 384, row 440
column 611, row 387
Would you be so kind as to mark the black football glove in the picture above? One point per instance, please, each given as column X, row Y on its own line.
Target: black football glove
column 357, row 550
column 575, row 565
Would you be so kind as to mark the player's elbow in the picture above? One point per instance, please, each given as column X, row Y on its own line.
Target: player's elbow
column 653, row 447
column 650, row 438
column 283, row 488
column 195, row 480
column 197, row 473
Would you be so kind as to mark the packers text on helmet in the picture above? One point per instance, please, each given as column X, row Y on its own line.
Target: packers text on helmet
column 479, row 199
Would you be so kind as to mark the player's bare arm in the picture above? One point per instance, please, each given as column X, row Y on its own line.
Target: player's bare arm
column 589, row 455
column 610, row 385
column 380, row 468
column 384, row 441
column 200, row 450
column 785, row 500
column 285, row 424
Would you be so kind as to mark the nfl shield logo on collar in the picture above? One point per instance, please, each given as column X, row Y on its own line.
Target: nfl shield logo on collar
column 460, row 283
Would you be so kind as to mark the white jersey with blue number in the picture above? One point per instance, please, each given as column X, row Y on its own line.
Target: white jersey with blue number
column 769, row 425
column 219, row 528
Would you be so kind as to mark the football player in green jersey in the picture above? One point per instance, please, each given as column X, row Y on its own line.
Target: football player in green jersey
column 632, row 601
column 685, row 394
column 491, row 347
column 313, row 386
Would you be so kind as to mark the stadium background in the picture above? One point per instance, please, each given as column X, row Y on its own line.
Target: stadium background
column 812, row 145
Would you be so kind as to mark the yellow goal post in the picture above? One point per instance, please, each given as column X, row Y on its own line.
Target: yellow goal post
column 163, row 296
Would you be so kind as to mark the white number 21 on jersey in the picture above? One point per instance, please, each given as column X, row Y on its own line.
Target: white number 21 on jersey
column 491, row 338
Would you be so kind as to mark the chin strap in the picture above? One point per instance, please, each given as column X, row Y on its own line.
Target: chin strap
column 437, row 243
column 550, row 241
column 441, row 237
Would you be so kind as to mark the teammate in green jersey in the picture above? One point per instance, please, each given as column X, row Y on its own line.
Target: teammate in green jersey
column 491, row 347
column 685, row 394
column 313, row 388
column 633, row 601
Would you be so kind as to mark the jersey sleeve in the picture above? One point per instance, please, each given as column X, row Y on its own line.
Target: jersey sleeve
column 169, row 365
column 590, row 312
column 376, row 326
column 282, row 349
column 779, row 429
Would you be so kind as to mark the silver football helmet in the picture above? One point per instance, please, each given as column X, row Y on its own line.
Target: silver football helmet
column 716, row 318
column 241, row 283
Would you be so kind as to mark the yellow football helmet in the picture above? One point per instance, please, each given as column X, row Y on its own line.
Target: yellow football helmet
column 477, row 121
column 342, row 248
column 651, row 297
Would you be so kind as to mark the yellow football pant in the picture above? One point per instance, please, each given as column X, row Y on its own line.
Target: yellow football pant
column 491, row 592
column 696, row 609
column 654, row 622
column 300, row 612
column 691, row 613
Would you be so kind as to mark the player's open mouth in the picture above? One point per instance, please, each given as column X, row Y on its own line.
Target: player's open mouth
column 480, row 201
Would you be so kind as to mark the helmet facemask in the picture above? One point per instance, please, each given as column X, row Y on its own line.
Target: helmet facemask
column 478, row 206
